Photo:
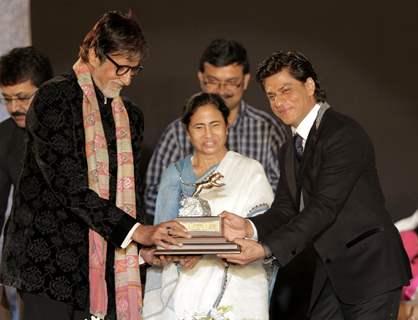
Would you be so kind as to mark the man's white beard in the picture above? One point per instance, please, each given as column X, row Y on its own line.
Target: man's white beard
column 112, row 89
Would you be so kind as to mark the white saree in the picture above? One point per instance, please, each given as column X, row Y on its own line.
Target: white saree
column 190, row 294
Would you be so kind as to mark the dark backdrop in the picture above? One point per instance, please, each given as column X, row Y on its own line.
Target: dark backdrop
column 364, row 52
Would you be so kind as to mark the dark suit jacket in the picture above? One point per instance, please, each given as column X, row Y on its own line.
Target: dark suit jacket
column 12, row 146
column 46, row 239
column 344, row 215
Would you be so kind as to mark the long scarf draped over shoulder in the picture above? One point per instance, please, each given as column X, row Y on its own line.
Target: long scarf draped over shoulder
column 127, row 280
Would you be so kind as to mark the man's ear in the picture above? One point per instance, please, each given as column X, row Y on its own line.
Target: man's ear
column 200, row 78
column 93, row 58
column 310, row 86
column 247, row 78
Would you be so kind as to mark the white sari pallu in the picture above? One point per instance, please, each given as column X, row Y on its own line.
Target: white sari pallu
column 173, row 293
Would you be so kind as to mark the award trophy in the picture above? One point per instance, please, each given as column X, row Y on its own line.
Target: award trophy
column 206, row 230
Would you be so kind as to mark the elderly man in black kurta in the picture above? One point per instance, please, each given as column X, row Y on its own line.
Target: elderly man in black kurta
column 49, row 254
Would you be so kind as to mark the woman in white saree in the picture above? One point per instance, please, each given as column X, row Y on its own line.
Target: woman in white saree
column 210, row 289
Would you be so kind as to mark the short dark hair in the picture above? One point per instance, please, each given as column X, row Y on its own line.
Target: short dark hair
column 296, row 63
column 114, row 32
column 222, row 52
column 22, row 64
column 202, row 99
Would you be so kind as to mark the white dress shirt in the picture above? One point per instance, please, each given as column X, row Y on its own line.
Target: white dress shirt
column 302, row 130
column 306, row 124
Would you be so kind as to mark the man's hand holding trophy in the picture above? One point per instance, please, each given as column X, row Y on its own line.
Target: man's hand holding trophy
column 205, row 230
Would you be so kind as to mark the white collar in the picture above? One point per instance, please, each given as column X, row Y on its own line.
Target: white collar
column 305, row 126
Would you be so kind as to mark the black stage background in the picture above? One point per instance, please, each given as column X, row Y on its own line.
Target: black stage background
column 365, row 53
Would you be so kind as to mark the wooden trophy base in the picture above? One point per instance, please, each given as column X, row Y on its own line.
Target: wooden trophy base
column 206, row 238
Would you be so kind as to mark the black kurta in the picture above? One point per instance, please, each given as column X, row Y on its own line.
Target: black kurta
column 46, row 241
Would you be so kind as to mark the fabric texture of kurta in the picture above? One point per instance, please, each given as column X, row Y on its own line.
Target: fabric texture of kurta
column 46, row 240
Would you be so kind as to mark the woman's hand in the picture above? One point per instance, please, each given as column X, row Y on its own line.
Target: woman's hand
column 187, row 262
column 148, row 254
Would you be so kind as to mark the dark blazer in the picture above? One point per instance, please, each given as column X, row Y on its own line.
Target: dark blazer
column 359, row 248
column 46, row 238
column 12, row 146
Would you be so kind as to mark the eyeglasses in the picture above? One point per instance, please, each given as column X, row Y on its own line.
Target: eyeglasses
column 228, row 84
column 122, row 70
column 23, row 99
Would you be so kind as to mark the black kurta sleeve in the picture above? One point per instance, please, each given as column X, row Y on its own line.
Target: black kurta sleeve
column 345, row 156
column 56, row 139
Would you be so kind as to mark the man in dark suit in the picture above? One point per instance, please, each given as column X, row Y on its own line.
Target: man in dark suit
column 22, row 71
column 329, row 197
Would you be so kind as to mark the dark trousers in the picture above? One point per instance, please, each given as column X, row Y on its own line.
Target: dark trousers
column 381, row 307
column 41, row 308
column 293, row 287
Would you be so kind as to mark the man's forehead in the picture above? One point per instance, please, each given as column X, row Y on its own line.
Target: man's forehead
column 234, row 68
column 23, row 87
column 274, row 84
column 126, row 58
column 280, row 79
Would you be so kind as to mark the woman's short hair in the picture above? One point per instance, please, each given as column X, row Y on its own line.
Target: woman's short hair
column 201, row 99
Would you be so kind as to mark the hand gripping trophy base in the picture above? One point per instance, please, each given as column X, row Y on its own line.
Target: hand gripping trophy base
column 206, row 230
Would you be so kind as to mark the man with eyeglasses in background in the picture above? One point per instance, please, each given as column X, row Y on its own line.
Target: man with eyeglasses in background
column 22, row 71
column 71, row 240
column 224, row 70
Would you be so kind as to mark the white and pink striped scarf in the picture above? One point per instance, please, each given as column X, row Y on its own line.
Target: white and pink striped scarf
column 127, row 278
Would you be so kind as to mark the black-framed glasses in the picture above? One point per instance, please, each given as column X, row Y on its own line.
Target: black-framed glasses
column 122, row 70
column 21, row 99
